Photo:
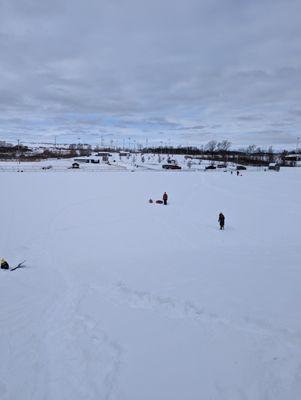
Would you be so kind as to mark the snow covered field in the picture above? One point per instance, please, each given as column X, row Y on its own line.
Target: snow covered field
column 125, row 300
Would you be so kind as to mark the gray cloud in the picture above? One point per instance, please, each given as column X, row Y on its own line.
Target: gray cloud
column 189, row 70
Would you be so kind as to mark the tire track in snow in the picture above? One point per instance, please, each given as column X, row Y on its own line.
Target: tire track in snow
column 173, row 308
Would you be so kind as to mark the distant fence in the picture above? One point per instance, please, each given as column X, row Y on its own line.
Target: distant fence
column 28, row 168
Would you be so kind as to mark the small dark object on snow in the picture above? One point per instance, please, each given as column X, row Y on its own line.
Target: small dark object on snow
column 4, row 264
column 221, row 220
column 165, row 198
column 150, row 201
column 159, row 201
column 20, row 265
column 171, row 166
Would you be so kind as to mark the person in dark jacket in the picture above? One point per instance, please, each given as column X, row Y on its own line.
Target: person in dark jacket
column 165, row 198
column 4, row 264
column 221, row 220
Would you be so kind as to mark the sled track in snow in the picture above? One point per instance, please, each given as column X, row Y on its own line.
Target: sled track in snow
column 84, row 359
column 100, row 342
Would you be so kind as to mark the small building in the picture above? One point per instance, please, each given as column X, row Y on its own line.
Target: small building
column 103, row 154
column 75, row 165
column 274, row 167
column 292, row 160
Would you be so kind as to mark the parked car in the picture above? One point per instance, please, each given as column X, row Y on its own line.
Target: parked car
column 210, row 167
column 171, row 166
column 274, row 166
column 222, row 166
column 240, row 168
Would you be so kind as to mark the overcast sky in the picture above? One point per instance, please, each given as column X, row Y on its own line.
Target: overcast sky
column 173, row 71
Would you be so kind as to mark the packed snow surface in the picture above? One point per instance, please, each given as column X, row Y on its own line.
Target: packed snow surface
column 121, row 299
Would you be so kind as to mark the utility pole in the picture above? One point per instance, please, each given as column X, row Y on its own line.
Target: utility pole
column 19, row 150
column 297, row 148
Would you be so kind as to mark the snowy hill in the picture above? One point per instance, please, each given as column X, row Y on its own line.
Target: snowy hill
column 121, row 299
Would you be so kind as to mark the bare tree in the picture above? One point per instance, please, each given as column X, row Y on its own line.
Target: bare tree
column 260, row 153
column 211, row 146
column 271, row 154
column 224, row 145
column 251, row 149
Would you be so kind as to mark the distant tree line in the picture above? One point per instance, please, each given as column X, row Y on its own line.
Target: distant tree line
column 10, row 151
column 221, row 151
column 213, row 151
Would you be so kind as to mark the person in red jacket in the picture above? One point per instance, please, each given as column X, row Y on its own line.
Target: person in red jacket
column 165, row 198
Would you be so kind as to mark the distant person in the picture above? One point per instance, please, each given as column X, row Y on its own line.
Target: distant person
column 4, row 264
column 237, row 173
column 221, row 220
column 165, row 198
